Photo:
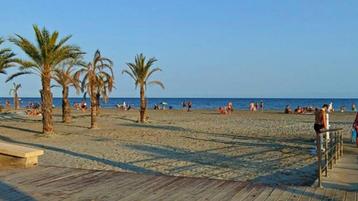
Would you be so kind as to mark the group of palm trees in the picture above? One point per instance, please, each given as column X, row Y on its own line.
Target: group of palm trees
column 53, row 59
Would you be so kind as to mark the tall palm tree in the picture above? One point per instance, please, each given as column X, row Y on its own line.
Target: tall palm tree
column 44, row 56
column 100, row 68
column 140, row 71
column 14, row 91
column 65, row 77
column 7, row 58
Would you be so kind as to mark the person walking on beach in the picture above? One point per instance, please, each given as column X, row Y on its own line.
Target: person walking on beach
column 354, row 109
column 320, row 122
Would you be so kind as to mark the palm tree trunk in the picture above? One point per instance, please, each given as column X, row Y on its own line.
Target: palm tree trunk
column 142, row 104
column 98, row 95
column 93, row 106
column 47, row 122
column 66, row 109
column 16, row 101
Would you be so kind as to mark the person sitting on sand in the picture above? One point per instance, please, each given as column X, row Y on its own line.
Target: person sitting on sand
column 299, row 110
column 83, row 106
column 288, row 109
column 222, row 110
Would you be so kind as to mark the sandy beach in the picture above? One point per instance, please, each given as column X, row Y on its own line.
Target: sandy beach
column 263, row 147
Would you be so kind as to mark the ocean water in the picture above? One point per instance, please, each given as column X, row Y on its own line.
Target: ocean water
column 277, row 104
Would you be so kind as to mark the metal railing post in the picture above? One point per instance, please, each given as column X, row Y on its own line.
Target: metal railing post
column 319, row 155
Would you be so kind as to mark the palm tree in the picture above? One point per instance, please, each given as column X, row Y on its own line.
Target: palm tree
column 44, row 56
column 14, row 91
column 65, row 76
column 99, row 69
column 7, row 58
column 140, row 71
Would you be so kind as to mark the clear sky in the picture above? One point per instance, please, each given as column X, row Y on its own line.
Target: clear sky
column 226, row 48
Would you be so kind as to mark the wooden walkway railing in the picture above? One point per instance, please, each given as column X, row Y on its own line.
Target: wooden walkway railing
column 331, row 152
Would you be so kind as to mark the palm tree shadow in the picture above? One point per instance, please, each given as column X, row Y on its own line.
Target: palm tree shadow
column 162, row 127
column 124, row 166
column 13, row 193
column 21, row 129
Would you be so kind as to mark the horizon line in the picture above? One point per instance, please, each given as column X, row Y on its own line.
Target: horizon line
column 11, row 97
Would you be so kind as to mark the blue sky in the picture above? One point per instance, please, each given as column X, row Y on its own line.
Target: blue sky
column 207, row 48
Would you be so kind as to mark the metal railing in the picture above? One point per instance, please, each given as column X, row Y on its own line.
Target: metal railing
column 331, row 152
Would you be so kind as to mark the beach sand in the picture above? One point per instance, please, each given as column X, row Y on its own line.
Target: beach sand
column 263, row 147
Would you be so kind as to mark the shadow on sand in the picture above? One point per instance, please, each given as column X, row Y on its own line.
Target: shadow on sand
column 124, row 166
column 9, row 193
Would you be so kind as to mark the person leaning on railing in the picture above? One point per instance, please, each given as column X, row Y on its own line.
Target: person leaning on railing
column 320, row 121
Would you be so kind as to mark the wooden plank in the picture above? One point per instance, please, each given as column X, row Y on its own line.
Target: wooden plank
column 317, row 194
column 350, row 196
column 329, row 194
column 309, row 192
column 113, row 186
column 165, row 191
column 255, row 192
column 275, row 194
column 243, row 193
column 19, row 151
column 340, row 195
column 202, row 190
column 297, row 193
column 264, row 194
column 228, row 190
column 146, row 188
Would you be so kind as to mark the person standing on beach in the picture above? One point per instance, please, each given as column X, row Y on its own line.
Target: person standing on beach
column 320, row 121
column 184, row 104
column 189, row 106
column 262, row 105
column 354, row 109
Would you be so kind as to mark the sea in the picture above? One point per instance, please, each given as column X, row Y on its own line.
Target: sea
column 275, row 104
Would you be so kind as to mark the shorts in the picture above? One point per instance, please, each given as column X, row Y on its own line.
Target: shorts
column 317, row 127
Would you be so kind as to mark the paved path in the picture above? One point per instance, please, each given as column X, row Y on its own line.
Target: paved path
column 344, row 174
column 58, row 183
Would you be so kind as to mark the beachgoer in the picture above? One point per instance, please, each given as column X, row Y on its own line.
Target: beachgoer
column 189, row 106
column 355, row 126
column 229, row 107
column 320, row 122
column 288, row 109
column 184, row 104
column 354, row 109
column 252, row 107
column 7, row 105
column 342, row 108
column 262, row 105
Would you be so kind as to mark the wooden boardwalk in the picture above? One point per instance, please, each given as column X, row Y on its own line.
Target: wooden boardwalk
column 58, row 183
column 344, row 174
